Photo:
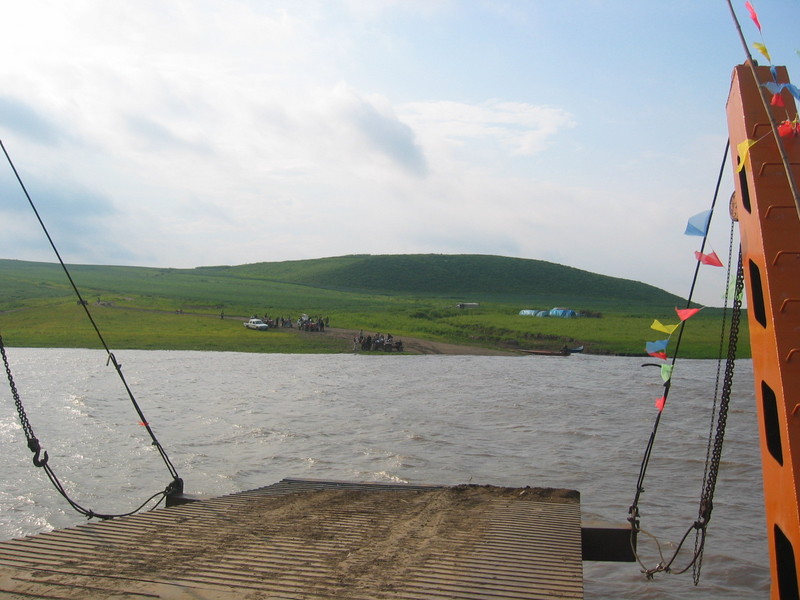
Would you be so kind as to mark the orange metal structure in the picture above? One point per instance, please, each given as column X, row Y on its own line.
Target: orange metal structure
column 766, row 210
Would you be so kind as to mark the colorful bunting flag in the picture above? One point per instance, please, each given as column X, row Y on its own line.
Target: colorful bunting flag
column 698, row 224
column 657, row 346
column 763, row 49
column 661, row 355
column 666, row 372
column 753, row 14
column 708, row 259
column 660, row 403
column 744, row 152
column 730, row 292
column 776, row 88
column 659, row 326
column 686, row 313
column 789, row 128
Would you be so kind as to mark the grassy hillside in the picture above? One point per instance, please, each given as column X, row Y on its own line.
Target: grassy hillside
column 409, row 295
column 465, row 277
column 478, row 277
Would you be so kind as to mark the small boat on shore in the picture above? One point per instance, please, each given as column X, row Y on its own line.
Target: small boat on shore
column 565, row 351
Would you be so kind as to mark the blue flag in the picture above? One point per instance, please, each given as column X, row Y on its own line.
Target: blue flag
column 656, row 346
column 698, row 224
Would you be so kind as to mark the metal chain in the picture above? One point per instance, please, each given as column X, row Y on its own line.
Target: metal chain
column 713, row 461
column 26, row 426
column 33, row 443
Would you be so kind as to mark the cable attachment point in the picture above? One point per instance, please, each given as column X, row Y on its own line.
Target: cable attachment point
column 704, row 514
column 33, row 445
column 175, row 487
column 113, row 359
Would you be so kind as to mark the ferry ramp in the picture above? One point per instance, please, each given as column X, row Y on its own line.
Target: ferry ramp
column 308, row 539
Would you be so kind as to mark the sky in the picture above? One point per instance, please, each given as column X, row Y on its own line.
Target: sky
column 184, row 133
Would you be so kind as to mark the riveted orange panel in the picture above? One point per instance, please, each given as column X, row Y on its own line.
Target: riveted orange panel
column 770, row 233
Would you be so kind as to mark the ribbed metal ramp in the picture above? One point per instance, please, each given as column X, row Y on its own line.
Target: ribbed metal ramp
column 306, row 539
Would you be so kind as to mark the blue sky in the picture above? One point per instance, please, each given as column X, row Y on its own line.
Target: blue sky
column 186, row 133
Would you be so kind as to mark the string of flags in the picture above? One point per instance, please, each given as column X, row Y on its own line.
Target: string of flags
column 787, row 128
column 697, row 226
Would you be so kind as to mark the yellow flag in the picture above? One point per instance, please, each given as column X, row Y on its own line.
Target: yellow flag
column 763, row 49
column 659, row 326
column 744, row 152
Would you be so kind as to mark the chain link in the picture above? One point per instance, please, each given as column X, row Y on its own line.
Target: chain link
column 23, row 417
column 715, row 455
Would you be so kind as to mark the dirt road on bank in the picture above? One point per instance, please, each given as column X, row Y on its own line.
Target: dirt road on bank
column 418, row 346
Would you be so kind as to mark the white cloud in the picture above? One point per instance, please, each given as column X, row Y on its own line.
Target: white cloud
column 186, row 133
column 516, row 127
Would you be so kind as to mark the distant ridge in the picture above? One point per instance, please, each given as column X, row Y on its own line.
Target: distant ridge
column 452, row 275
column 466, row 277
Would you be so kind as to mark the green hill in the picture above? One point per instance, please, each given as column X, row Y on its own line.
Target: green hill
column 468, row 276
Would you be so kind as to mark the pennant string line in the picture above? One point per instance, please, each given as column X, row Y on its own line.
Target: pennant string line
column 775, row 87
column 773, row 123
column 633, row 511
column 713, row 453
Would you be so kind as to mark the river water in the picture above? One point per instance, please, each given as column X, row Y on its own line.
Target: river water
column 232, row 421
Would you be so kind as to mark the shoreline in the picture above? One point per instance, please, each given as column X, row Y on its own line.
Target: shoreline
column 413, row 345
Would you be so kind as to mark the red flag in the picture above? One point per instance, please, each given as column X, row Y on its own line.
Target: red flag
column 777, row 100
column 662, row 355
column 660, row 403
column 708, row 259
column 753, row 14
column 685, row 313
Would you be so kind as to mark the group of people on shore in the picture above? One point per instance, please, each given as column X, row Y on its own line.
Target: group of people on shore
column 272, row 322
column 380, row 341
column 306, row 323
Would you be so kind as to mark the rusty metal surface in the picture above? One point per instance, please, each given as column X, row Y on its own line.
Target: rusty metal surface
column 316, row 539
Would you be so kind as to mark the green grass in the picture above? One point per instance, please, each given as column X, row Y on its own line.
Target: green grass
column 65, row 325
column 412, row 296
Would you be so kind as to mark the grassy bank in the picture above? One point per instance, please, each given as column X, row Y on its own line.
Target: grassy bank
column 409, row 296
column 64, row 324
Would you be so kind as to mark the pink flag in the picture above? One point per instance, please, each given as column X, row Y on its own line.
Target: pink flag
column 660, row 403
column 786, row 129
column 708, row 259
column 753, row 14
column 685, row 313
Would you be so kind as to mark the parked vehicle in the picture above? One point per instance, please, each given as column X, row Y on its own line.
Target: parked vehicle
column 256, row 324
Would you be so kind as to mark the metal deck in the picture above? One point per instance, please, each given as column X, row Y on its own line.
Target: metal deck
column 316, row 539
